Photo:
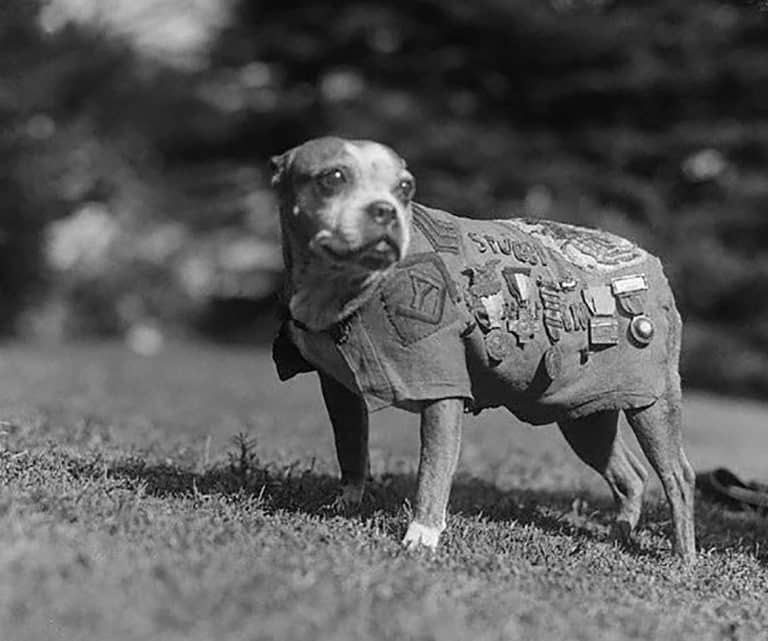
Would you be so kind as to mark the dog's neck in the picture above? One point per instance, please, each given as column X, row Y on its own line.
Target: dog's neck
column 322, row 298
column 320, row 295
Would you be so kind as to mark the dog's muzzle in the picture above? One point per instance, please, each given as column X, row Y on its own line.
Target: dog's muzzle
column 378, row 253
column 378, row 238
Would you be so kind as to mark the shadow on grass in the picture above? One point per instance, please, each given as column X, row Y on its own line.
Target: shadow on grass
column 298, row 488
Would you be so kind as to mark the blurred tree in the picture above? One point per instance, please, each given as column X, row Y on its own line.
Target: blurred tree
column 20, row 221
column 647, row 118
column 46, row 85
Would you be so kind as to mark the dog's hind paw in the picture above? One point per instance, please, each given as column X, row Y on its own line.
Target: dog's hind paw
column 419, row 535
column 347, row 501
column 622, row 532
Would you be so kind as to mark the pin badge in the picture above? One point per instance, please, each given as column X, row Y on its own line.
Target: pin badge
column 485, row 297
column 553, row 309
column 603, row 330
column 629, row 284
column 600, row 300
column 523, row 327
column 632, row 304
column 553, row 363
column 518, row 282
column 494, row 309
column 630, row 292
column 642, row 330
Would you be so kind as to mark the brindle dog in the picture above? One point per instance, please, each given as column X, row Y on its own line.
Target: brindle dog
column 392, row 304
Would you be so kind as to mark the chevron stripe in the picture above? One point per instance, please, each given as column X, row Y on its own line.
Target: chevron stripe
column 443, row 235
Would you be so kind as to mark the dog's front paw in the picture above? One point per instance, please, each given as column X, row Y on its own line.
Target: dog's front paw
column 419, row 535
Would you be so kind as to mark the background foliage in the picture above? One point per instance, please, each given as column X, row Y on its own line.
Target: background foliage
column 135, row 196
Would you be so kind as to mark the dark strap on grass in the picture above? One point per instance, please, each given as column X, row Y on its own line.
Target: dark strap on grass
column 723, row 486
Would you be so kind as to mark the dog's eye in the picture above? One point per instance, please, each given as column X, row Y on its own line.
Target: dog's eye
column 405, row 188
column 332, row 180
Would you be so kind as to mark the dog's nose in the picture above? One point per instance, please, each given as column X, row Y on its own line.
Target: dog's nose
column 382, row 213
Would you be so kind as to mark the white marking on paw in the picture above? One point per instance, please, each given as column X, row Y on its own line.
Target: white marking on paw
column 419, row 535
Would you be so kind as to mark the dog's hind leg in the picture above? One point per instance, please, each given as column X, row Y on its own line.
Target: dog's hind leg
column 658, row 430
column 349, row 418
column 598, row 442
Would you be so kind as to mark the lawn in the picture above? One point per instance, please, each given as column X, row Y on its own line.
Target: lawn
column 184, row 496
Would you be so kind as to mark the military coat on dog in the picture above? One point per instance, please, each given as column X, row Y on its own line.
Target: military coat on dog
column 550, row 320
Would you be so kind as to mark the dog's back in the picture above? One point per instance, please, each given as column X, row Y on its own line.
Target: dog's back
column 549, row 320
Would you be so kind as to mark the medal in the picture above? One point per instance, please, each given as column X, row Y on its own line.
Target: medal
column 499, row 345
column 642, row 330
column 553, row 363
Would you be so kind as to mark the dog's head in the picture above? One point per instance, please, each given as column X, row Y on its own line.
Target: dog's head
column 345, row 203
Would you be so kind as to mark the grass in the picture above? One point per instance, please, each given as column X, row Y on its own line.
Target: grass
column 184, row 497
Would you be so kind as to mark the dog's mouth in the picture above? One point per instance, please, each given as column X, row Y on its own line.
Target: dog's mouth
column 379, row 253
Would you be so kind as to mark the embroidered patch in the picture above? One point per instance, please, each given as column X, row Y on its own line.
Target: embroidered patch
column 427, row 299
column 589, row 249
column 443, row 235
column 419, row 297
column 524, row 252
column 528, row 253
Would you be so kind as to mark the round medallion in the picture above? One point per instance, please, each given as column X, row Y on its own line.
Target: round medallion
column 499, row 345
column 641, row 329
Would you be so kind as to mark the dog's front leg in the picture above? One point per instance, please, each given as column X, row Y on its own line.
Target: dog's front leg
column 440, row 443
column 349, row 418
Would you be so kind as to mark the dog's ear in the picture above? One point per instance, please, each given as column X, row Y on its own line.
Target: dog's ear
column 279, row 165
